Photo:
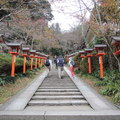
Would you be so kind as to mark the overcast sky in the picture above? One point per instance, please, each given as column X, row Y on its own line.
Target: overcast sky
column 66, row 13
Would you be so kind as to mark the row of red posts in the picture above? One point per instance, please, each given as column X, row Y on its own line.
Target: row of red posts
column 14, row 50
column 87, row 52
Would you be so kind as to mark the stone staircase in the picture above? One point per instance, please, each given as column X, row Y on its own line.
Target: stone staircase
column 58, row 99
column 57, row 92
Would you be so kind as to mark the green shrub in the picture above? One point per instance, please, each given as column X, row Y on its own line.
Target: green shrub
column 19, row 75
column 30, row 73
column 101, row 83
column 77, row 71
column 96, row 74
column 4, row 79
column 116, row 98
column 110, row 90
column 77, row 61
column 84, row 65
column 2, row 82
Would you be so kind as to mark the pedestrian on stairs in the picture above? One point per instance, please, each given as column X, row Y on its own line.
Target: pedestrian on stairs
column 55, row 61
column 48, row 63
column 60, row 64
column 71, row 64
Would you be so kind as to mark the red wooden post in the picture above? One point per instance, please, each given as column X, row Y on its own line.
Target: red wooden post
column 24, row 65
column 101, row 66
column 35, row 62
column 89, row 65
column 31, row 63
column 13, row 65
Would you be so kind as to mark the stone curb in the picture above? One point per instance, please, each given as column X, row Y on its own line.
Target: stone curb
column 60, row 115
column 19, row 101
column 96, row 101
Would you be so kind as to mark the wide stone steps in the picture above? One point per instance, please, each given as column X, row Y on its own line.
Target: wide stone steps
column 57, row 93
column 57, row 102
column 56, row 97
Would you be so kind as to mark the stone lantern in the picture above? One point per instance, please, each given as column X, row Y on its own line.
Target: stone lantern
column 25, row 52
column 14, row 49
column 89, row 55
column 32, row 55
column 100, row 52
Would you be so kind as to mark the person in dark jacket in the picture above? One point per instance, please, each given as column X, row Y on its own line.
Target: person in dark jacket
column 60, row 64
column 47, row 63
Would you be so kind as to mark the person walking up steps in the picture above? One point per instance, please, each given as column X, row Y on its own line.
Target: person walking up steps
column 48, row 63
column 60, row 64
column 71, row 64
column 55, row 61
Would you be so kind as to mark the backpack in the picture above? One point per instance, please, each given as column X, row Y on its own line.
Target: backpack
column 60, row 62
column 47, row 63
column 72, row 63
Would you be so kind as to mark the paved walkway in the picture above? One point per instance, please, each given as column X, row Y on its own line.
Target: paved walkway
column 51, row 98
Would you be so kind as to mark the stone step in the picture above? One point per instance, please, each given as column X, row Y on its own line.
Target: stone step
column 58, row 93
column 59, row 86
column 57, row 90
column 56, row 97
column 57, row 102
column 59, row 108
column 59, row 83
column 67, row 82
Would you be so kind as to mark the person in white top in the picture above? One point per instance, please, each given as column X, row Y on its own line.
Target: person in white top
column 71, row 64
column 50, row 64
